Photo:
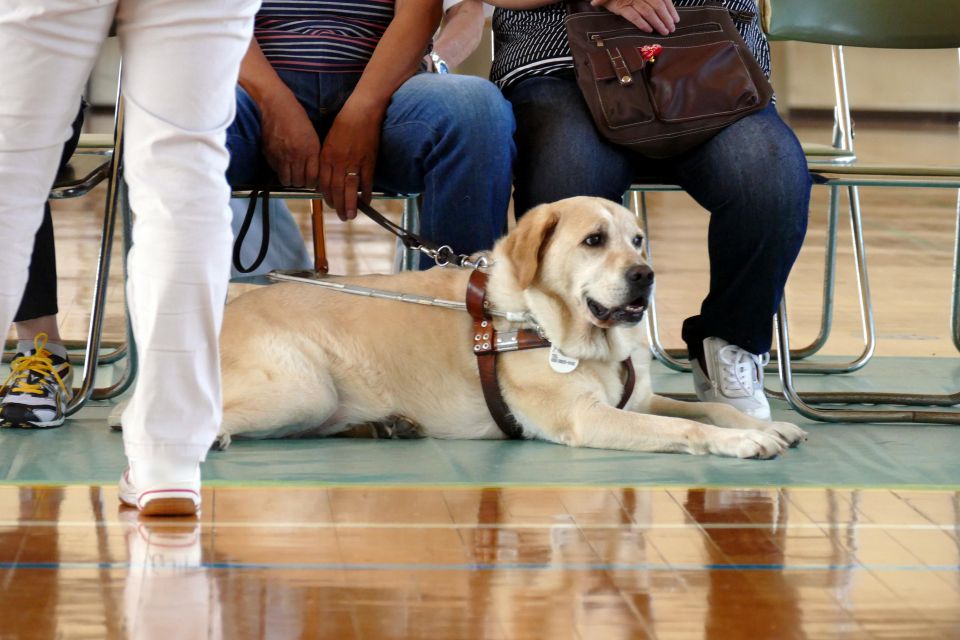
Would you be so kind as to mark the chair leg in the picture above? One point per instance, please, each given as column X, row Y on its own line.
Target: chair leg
column 865, row 302
column 955, row 311
column 129, row 374
column 653, row 325
column 98, row 308
column 801, row 406
column 320, row 263
column 829, row 280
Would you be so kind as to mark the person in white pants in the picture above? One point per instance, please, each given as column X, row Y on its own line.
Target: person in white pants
column 181, row 60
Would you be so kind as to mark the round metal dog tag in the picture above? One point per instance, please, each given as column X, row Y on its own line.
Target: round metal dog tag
column 561, row 363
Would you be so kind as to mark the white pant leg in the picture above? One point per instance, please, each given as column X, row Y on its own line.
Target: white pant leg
column 47, row 48
column 181, row 59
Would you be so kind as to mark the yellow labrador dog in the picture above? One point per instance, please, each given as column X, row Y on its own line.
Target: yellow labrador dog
column 298, row 358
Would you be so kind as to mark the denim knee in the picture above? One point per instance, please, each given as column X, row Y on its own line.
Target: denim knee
column 756, row 173
column 559, row 151
column 478, row 114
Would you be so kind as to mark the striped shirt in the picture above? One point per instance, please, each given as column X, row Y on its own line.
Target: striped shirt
column 321, row 35
column 533, row 42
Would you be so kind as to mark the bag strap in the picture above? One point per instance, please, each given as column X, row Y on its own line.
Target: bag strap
column 264, row 196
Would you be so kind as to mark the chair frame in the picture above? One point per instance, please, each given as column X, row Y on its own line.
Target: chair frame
column 852, row 176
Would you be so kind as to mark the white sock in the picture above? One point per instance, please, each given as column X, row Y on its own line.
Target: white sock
column 56, row 348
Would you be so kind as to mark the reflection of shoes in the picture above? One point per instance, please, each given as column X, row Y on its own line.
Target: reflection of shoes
column 36, row 393
column 162, row 490
column 168, row 593
column 733, row 376
column 162, row 544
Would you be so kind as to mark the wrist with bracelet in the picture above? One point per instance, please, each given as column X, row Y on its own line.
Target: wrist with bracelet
column 439, row 66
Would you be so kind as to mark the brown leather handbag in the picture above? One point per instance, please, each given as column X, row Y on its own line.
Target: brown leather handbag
column 662, row 95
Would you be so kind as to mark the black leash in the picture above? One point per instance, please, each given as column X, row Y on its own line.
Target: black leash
column 264, row 195
column 443, row 255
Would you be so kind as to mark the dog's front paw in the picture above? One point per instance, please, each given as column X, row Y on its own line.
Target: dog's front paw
column 222, row 442
column 791, row 433
column 749, row 443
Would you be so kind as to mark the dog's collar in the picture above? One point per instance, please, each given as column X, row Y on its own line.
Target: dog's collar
column 488, row 342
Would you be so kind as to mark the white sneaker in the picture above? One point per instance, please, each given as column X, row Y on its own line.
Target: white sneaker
column 162, row 489
column 733, row 376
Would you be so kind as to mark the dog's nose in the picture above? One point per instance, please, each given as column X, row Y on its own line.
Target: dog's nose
column 640, row 275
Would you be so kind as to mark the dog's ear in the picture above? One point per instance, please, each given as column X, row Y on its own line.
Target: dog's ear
column 527, row 243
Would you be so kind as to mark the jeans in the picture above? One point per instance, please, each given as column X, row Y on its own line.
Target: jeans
column 447, row 137
column 752, row 177
column 180, row 64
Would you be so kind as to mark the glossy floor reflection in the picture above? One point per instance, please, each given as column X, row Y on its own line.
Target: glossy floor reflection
column 484, row 563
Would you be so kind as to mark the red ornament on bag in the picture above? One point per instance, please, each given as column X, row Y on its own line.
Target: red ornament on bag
column 650, row 52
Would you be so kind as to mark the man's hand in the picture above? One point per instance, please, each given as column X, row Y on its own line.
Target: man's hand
column 349, row 158
column 290, row 143
column 647, row 15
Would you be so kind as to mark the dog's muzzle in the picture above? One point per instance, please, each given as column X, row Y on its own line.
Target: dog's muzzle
column 630, row 313
column 640, row 282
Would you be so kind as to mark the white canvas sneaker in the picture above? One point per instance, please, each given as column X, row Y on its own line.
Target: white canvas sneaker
column 162, row 489
column 732, row 376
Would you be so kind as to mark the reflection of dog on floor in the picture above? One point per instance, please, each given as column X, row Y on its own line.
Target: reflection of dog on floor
column 298, row 358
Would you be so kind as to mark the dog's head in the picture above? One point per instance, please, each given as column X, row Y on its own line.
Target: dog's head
column 586, row 254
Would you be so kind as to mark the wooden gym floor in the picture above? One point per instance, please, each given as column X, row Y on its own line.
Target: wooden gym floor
column 366, row 559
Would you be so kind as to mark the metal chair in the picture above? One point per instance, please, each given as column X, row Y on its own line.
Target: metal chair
column 879, row 24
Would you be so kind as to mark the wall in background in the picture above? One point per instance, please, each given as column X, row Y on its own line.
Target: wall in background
column 877, row 79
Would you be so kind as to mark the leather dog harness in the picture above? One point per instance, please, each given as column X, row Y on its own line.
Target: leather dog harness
column 488, row 342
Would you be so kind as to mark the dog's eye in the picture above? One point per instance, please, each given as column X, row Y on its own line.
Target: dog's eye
column 594, row 240
column 638, row 241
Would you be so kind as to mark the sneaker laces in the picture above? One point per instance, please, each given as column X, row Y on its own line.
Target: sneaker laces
column 738, row 370
column 28, row 372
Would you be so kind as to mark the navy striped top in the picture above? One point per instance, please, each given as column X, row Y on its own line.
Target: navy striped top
column 321, row 35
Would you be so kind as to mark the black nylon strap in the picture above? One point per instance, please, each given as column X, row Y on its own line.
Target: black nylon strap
column 264, row 195
column 444, row 254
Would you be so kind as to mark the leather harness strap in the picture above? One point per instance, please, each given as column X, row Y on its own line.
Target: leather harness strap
column 484, row 342
column 487, row 343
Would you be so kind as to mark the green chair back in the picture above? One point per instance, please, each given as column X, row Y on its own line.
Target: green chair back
column 886, row 24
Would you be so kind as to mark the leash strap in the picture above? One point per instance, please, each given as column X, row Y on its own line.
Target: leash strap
column 442, row 255
column 487, row 344
column 264, row 195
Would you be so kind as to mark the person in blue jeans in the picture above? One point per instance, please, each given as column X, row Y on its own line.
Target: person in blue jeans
column 331, row 97
column 752, row 177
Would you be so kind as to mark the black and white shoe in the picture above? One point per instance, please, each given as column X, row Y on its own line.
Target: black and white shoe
column 36, row 394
